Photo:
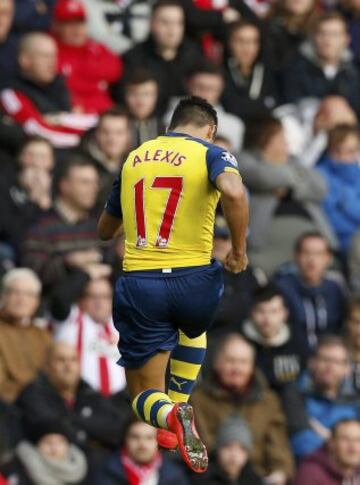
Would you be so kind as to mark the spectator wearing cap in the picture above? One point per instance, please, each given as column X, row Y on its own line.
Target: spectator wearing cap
column 325, row 65
column 315, row 295
column 234, row 387
column 278, row 354
column 88, row 67
column 231, row 465
column 206, row 80
column 37, row 98
column 59, row 394
column 19, row 363
column 238, row 288
column 167, row 52
column 139, row 461
column 47, row 457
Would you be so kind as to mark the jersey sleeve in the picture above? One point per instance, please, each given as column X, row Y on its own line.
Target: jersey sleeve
column 113, row 205
column 218, row 161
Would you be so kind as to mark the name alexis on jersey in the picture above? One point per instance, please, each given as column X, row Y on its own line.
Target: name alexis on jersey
column 168, row 156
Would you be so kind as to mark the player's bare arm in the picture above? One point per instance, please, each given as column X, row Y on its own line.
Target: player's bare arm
column 109, row 226
column 236, row 211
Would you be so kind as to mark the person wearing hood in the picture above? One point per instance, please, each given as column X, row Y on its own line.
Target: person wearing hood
column 46, row 458
column 325, row 65
column 278, row 355
column 233, row 387
column 341, row 169
column 338, row 462
column 230, row 464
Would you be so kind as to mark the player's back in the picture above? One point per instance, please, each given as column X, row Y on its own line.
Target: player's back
column 168, row 202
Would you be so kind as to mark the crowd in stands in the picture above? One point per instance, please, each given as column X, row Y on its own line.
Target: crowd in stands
column 82, row 83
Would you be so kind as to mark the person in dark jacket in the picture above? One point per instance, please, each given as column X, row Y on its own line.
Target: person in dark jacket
column 338, row 462
column 59, row 393
column 325, row 66
column 230, row 465
column 250, row 86
column 139, row 461
column 167, row 52
column 279, row 356
column 315, row 296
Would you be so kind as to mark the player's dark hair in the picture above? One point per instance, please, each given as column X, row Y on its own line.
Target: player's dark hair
column 166, row 3
column 265, row 293
column 310, row 235
column 193, row 111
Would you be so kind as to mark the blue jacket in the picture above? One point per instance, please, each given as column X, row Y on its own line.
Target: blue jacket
column 313, row 311
column 342, row 203
column 112, row 472
column 326, row 411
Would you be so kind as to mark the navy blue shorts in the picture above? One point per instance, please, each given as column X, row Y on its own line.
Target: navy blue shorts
column 151, row 306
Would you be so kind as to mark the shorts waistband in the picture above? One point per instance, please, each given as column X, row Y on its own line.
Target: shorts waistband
column 166, row 272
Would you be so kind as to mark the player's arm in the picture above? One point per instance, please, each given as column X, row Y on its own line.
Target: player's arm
column 110, row 221
column 235, row 206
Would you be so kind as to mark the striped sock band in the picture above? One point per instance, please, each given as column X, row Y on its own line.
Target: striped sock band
column 185, row 365
column 153, row 407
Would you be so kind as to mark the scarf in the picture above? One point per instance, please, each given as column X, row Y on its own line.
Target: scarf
column 141, row 474
column 46, row 471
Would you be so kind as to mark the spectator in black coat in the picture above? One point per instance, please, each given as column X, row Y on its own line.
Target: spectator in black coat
column 230, row 465
column 167, row 52
column 250, row 86
column 325, row 65
column 279, row 356
column 315, row 296
column 139, row 461
column 89, row 419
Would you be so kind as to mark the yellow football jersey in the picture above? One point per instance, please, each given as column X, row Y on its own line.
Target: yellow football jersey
column 166, row 197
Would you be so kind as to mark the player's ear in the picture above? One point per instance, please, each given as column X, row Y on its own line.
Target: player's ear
column 212, row 132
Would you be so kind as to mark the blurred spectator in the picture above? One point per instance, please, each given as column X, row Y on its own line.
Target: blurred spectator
column 87, row 66
column 30, row 16
column 250, row 88
column 279, row 355
column 8, row 42
column 108, row 146
column 284, row 196
column 141, row 94
column 118, row 25
column 238, row 288
column 315, row 296
column 354, row 264
column 90, row 329
column 206, row 80
column 167, row 52
column 352, row 333
column 22, row 344
column 231, row 464
column 47, row 458
column 325, row 65
column 26, row 193
column 60, row 394
column 321, row 398
column 290, row 23
column 10, row 430
column 341, row 169
column 38, row 99
column 351, row 11
column 232, row 388
column 140, row 461
column 65, row 239
column 338, row 462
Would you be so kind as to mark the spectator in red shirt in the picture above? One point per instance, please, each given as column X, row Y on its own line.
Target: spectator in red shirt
column 88, row 66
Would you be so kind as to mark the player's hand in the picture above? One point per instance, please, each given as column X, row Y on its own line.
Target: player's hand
column 236, row 262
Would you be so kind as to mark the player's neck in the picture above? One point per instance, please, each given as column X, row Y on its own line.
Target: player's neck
column 192, row 131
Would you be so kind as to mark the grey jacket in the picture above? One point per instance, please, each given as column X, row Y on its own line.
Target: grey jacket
column 263, row 179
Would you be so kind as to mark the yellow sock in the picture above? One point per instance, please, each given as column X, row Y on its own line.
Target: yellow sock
column 153, row 406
